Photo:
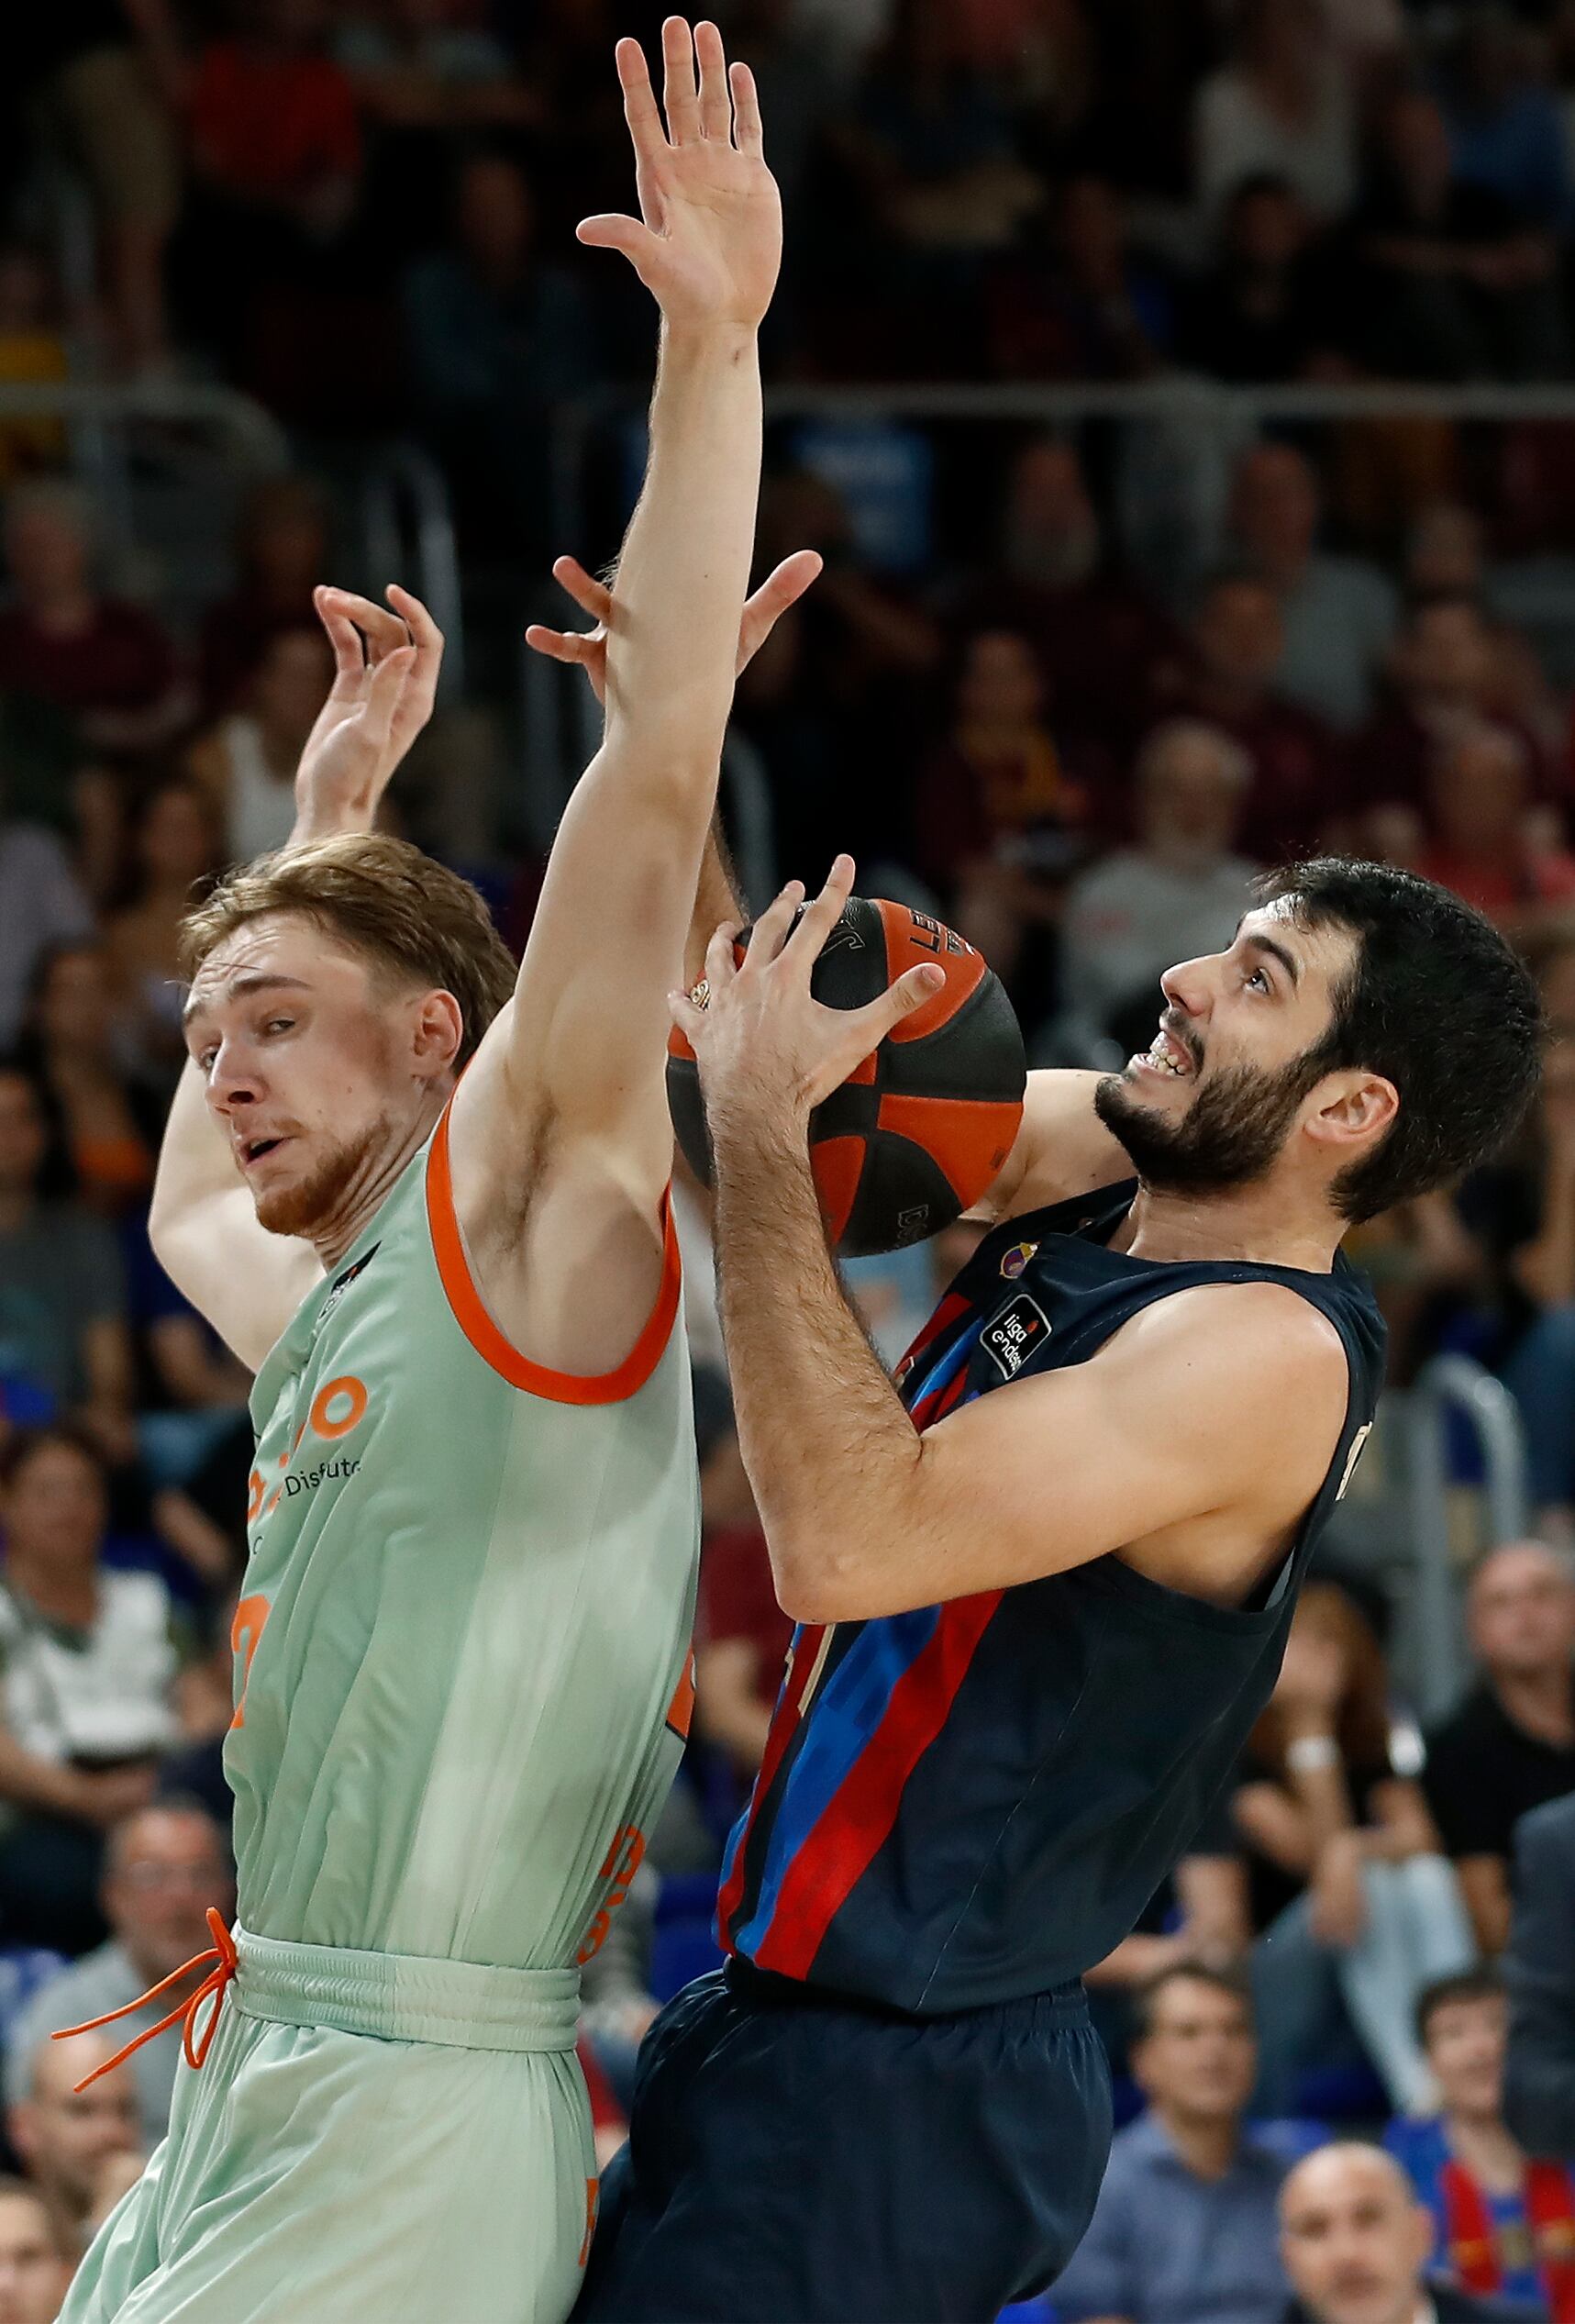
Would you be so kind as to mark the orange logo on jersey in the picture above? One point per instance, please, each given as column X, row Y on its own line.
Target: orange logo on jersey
column 250, row 1615
column 339, row 1407
column 625, row 1858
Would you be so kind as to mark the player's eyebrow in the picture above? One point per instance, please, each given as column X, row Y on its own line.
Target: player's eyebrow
column 242, row 986
column 1287, row 960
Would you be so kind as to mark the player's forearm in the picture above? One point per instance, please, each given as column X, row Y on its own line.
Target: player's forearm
column 672, row 639
column 194, row 1164
column 831, row 1454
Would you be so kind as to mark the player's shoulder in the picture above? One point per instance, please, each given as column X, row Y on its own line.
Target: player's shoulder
column 1260, row 1343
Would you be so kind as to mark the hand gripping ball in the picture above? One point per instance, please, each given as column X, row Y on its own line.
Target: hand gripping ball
column 917, row 1134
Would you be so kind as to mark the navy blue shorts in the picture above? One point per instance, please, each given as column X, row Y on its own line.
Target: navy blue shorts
column 797, row 2159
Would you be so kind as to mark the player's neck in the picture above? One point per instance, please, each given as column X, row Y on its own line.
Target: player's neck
column 1250, row 1223
column 371, row 1184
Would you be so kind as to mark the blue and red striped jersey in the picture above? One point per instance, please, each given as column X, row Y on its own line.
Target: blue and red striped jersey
column 975, row 1801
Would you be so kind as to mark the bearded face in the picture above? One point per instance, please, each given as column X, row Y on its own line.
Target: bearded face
column 308, row 1203
column 1230, row 1134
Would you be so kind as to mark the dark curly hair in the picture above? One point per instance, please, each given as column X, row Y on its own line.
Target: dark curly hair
column 1437, row 1003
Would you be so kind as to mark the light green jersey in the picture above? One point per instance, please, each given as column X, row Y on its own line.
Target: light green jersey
column 462, row 1654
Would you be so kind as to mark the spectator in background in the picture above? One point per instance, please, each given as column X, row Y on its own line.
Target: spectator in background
column 1504, row 130
column 1339, row 613
column 1440, row 675
column 1098, row 634
column 1356, row 2244
column 417, row 65
column 107, row 663
column 1228, row 681
column 1454, row 283
column 62, row 1299
column 998, row 819
column 1282, row 103
column 1425, row 1266
column 108, row 77
column 106, row 1127
column 34, row 2272
column 1178, row 893
column 1444, row 555
column 1184, row 2229
column 1356, row 1904
column 1531, row 1209
column 164, row 1866
column 1265, row 308
column 742, row 1635
column 276, row 161
column 1083, row 306
column 495, row 337
column 1482, row 840
column 32, row 351
column 282, row 550
column 929, row 149
column 1502, row 2223
column 74, row 2147
column 41, row 904
column 843, row 684
column 89, row 1662
column 1539, row 1973
column 246, row 765
column 1200, row 1918
column 175, row 848
column 1511, row 1745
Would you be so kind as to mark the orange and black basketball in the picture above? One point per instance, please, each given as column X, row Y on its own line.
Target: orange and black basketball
column 919, row 1132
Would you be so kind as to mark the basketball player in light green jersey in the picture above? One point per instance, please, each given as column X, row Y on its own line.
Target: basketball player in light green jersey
column 433, row 1216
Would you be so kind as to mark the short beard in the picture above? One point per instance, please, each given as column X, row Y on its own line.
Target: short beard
column 1232, row 1134
column 306, row 1208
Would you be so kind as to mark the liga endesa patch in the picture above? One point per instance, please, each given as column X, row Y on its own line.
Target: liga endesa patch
column 1012, row 1337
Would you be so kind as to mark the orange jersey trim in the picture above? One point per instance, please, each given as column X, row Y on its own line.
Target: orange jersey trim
column 488, row 1342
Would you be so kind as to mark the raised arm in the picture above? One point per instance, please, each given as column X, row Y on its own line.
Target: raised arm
column 560, row 1143
column 716, row 897
column 203, row 1224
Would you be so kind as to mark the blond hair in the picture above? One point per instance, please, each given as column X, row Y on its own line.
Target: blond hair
column 407, row 917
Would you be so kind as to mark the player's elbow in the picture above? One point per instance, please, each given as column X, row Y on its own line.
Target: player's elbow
column 820, row 1583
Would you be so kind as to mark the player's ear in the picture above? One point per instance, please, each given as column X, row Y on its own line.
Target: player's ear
column 436, row 1032
column 1353, row 1108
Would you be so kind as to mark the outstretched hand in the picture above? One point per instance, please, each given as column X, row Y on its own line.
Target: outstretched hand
column 385, row 680
column 708, row 240
column 761, row 1040
column 781, row 588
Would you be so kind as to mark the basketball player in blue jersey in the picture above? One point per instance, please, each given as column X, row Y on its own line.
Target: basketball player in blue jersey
column 1043, row 1582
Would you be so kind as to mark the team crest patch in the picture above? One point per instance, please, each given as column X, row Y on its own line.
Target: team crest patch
column 1011, row 1337
column 1016, row 1258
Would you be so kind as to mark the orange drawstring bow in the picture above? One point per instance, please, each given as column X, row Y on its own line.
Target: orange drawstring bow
column 222, row 1954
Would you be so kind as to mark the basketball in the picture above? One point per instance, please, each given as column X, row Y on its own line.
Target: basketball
column 923, row 1128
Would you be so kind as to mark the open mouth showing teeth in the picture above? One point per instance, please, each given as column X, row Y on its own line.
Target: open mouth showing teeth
column 1169, row 1056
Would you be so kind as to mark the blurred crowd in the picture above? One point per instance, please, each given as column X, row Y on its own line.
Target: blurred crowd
column 1044, row 189
column 1071, row 689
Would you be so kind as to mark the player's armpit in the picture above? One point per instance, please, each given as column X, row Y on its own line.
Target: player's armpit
column 1193, row 1442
